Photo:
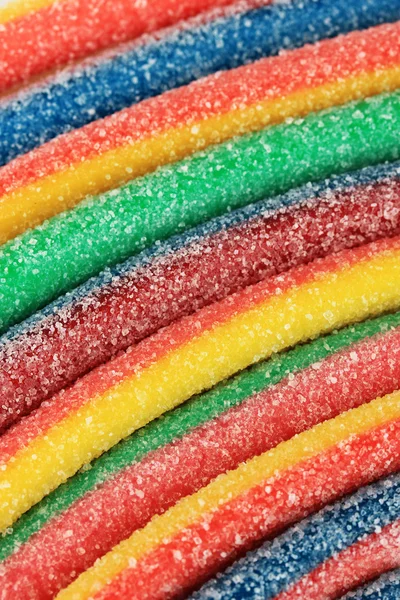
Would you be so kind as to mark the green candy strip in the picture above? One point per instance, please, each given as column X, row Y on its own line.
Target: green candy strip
column 182, row 420
column 55, row 257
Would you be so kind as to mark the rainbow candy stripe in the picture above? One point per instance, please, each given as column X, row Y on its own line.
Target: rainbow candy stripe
column 242, row 506
column 71, row 336
column 169, row 127
column 66, row 250
column 174, row 59
column 267, row 572
column 199, row 395
column 187, row 357
column 154, row 461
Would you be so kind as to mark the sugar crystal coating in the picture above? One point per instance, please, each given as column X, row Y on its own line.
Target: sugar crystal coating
column 187, row 357
column 53, row 258
column 140, row 479
column 206, row 530
column 197, row 411
column 364, row 560
column 162, row 130
column 78, row 96
column 135, row 300
column 268, row 571
column 386, row 587
column 92, row 24
column 209, row 446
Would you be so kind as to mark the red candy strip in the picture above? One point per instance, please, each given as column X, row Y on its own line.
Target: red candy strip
column 152, row 296
column 147, row 488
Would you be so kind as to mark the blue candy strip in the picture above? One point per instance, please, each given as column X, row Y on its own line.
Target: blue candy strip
column 268, row 571
column 142, row 70
column 109, row 276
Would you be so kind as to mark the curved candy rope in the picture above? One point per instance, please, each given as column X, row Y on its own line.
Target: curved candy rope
column 36, row 34
column 176, row 552
column 165, row 129
column 185, row 358
column 151, row 67
column 53, row 258
column 98, row 507
column 190, row 415
column 71, row 336
column 203, row 532
column 366, row 559
column 386, row 587
column 267, row 571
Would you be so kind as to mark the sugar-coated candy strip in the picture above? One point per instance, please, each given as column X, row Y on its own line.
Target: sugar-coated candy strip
column 163, row 371
column 36, row 34
column 192, row 414
column 387, row 587
column 183, row 561
column 217, row 95
column 264, row 573
column 203, row 532
column 164, row 129
column 365, row 560
column 147, row 293
column 16, row 10
column 53, row 258
column 100, row 518
column 200, row 566
column 81, row 95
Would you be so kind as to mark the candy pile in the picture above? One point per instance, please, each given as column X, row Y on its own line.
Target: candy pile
column 200, row 299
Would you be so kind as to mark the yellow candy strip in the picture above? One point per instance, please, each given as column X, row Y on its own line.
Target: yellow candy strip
column 229, row 486
column 20, row 8
column 163, row 130
column 330, row 293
